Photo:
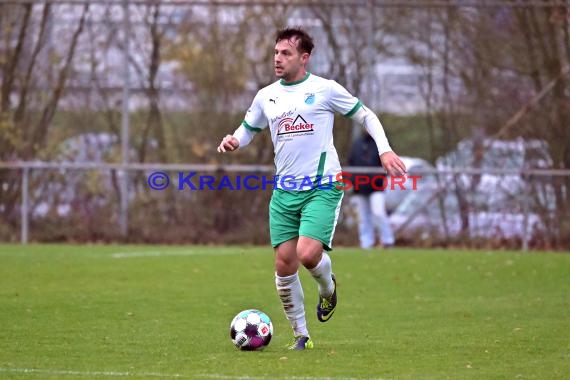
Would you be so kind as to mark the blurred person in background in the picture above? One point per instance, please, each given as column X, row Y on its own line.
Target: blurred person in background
column 299, row 110
column 369, row 197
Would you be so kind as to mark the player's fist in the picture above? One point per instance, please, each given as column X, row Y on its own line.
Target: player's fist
column 228, row 144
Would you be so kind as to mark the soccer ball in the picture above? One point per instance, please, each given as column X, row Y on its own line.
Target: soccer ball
column 251, row 330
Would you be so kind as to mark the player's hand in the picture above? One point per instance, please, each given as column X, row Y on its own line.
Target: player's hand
column 392, row 164
column 228, row 144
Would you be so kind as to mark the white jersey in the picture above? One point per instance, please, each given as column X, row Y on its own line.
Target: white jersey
column 300, row 117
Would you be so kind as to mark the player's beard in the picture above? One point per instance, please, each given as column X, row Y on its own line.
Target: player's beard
column 282, row 74
column 286, row 75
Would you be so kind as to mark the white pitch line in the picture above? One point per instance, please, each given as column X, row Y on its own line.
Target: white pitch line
column 245, row 377
column 52, row 372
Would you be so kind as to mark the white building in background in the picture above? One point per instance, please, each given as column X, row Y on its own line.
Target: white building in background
column 98, row 74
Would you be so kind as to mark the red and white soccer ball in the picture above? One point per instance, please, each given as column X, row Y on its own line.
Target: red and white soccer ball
column 251, row 330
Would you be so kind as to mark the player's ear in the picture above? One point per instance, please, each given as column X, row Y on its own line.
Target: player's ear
column 305, row 58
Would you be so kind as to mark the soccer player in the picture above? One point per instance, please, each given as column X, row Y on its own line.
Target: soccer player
column 299, row 110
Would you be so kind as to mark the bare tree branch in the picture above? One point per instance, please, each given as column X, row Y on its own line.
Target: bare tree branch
column 12, row 60
column 49, row 111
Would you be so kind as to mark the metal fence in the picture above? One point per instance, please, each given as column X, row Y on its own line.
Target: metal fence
column 522, row 215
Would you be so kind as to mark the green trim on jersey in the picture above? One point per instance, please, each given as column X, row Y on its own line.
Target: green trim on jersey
column 354, row 109
column 321, row 167
column 296, row 82
column 249, row 127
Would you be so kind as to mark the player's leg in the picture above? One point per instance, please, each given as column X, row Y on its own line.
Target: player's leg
column 290, row 292
column 311, row 254
column 318, row 222
column 284, row 222
column 378, row 205
column 289, row 287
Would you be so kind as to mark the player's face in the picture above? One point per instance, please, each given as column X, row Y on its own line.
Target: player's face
column 289, row 62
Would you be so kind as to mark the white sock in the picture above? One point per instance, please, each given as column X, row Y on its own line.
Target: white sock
column 292, row 298
column 322, row 273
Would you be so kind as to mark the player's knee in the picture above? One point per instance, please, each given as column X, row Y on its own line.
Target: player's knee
column 286, row 264
column 309, row 257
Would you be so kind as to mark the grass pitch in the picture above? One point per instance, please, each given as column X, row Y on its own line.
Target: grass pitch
column 156, row 312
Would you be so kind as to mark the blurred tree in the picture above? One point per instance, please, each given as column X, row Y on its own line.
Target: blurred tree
column 26, row 116
column 503, row 69
column 226, row 57
column 475, row 59
column 545, row 48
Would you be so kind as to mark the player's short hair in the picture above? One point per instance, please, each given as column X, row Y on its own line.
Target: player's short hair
column 305, row 44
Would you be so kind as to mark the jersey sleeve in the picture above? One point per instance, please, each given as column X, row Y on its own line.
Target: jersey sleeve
column 342, row 101
column 255, row 120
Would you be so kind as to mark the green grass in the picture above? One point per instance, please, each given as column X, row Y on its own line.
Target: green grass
column 80, row 312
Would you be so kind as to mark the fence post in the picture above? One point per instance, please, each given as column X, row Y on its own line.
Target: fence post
column 526, row 199
column 25, row 206
column 124, row 207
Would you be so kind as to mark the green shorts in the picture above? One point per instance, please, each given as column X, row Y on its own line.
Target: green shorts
column 311, row 213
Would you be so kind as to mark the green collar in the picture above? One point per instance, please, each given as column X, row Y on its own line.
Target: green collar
column 297, row 82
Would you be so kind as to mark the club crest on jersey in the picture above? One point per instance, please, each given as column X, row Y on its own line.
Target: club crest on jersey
column 298, row 125
column 309, row 98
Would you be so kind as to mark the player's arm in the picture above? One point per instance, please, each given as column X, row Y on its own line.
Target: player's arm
column 390, row 160
column 343, row 102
